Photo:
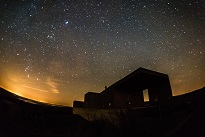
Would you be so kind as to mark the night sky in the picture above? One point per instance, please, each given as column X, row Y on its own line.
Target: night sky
column 55, row 51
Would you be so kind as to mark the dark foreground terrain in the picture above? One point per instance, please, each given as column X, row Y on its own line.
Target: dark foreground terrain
column 184, row 117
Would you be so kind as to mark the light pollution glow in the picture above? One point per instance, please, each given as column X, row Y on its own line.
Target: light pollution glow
column 56, row 51
column 48, row 91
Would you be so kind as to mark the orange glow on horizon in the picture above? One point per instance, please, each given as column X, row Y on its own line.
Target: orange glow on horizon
column 13, row 85
column 54, row 91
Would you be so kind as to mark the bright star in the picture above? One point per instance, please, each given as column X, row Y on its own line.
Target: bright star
column 66, row 22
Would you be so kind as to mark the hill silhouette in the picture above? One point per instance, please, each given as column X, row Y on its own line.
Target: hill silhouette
column 183, row 117
column 22, row 117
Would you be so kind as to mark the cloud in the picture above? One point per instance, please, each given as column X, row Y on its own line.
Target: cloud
column 37, row 89
column 52, row 84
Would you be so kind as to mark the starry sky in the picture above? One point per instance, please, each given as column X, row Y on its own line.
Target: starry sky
column 55, row 51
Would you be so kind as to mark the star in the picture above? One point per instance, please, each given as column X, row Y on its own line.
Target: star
column 93, row 44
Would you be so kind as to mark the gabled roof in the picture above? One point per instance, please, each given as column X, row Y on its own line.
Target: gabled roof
column 139, row 77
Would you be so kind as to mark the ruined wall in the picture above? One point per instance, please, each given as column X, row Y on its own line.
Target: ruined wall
column 92, row 100
column 165, row 92
column 78, row 104
column 110, row 115
column 141, row 121
column 129, row 93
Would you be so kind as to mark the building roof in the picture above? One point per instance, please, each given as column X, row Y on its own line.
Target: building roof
column 140, row 78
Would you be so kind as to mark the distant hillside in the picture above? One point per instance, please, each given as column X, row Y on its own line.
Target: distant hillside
column 22, row 117
column 11, row 102
column 14, row 97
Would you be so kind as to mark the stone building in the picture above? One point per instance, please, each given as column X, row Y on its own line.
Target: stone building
column 129, row 92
